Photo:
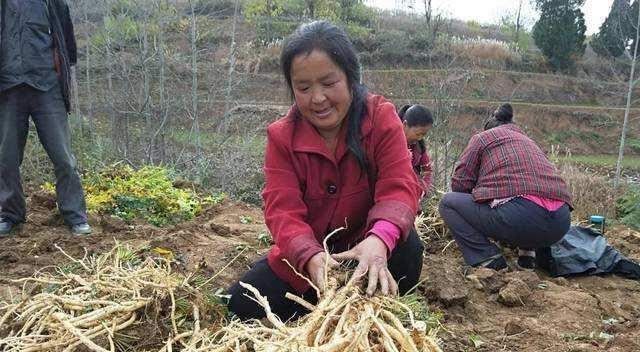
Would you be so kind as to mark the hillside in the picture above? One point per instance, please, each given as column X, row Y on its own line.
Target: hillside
column 193, row 92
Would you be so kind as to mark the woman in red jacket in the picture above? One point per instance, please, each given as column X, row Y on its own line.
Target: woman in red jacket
column 505, row 188
column 337, row 159
column 416, row 122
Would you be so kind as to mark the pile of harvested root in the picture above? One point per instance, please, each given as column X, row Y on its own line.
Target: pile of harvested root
column 344, row 320
column 89, row 301
column 429, row 224
column 94, row 303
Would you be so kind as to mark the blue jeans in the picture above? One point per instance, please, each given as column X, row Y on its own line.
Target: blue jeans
column 518, row 222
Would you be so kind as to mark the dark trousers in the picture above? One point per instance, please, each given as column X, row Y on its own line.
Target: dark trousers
column 405, row 265
column 518, row 222
column 49, row 115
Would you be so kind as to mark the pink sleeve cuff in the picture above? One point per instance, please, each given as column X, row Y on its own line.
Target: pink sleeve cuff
column 388, row 232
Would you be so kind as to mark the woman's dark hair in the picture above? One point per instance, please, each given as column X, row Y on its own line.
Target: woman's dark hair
column 332, row 40
column 416, row 115
column 503, row 115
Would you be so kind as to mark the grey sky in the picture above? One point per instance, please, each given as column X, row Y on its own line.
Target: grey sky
column 490, row 11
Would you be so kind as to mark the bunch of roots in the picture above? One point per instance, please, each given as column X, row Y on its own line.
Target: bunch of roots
column 87, row 302
column 344, row 320
column 92, row 302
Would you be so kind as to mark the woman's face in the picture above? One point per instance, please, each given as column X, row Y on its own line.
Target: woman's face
column 415, row 133
column 321, row 91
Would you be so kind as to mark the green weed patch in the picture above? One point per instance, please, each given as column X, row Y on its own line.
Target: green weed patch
column 628, row 208
column 148, row 193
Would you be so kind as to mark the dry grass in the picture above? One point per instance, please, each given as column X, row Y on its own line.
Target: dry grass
column 429, row 224
column 484, row 50
column 592, row 194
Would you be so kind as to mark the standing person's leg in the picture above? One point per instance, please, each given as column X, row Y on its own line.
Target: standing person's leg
column 14, row 127
column 50, row 117
column 405, row 263
column 270, row 286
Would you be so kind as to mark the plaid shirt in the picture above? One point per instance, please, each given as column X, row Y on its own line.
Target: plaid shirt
column 503, row 162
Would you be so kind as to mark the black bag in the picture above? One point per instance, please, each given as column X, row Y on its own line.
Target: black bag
column 585, row 251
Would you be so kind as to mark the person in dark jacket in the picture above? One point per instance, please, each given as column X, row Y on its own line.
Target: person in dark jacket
column 37, row 52
column 505, row 188
column 339, row 156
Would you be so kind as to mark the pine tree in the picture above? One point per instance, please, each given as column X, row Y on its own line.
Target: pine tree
column 615, row 32
column 560, row 32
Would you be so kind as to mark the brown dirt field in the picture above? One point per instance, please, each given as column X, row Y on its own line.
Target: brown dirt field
column 546, row 314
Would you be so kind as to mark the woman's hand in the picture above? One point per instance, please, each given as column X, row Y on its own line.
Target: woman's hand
column 371, row 255
column 315, row 269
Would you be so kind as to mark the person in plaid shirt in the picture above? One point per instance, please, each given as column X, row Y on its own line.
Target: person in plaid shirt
column 417, row 121
column 505, row 188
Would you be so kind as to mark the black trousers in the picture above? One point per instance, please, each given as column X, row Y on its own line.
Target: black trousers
column 48, row 112
column 519, row 222
column 405, row 265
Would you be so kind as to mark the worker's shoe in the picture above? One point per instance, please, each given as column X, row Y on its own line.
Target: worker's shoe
column 496, row 263
column 5, row 227
column 81, row 229
column 526, row 262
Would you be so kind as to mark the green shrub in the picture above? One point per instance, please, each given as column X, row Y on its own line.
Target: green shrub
column 118, row 32
column 269, row 30
column 128, row 8
column 421, row 41
column 357, row 32
column 628, row 208
column 215, row 8
column 357, row 13
column 148, row 193
column 634, row 144
column 393, row 46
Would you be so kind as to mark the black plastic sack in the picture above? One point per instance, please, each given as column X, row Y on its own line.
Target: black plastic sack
column 585, row 251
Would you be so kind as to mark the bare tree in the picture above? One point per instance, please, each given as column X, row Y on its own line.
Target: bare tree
column 194, row 83
column 157, row 142
column 625, row 123
column 88, row 92
column 232, row 63
column 518, row 23
column 427, row 12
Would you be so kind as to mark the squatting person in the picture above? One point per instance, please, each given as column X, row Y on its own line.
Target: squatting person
column 505, row 188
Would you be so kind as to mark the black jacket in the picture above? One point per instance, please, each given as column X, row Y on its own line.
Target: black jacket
column 64, row 42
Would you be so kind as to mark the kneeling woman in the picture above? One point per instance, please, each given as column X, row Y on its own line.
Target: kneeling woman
column 339, row 156
column 505, row 188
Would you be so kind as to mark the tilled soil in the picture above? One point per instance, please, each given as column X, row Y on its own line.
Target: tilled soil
column 482, row 310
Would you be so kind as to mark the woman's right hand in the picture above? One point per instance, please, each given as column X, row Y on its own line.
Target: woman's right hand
column 315, row 268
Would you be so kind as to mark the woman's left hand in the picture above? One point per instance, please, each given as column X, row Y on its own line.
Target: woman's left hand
column 371, row 255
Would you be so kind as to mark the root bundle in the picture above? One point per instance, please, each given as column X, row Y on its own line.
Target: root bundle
column 108, row 294
column 102, row 298
column 344, row 320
